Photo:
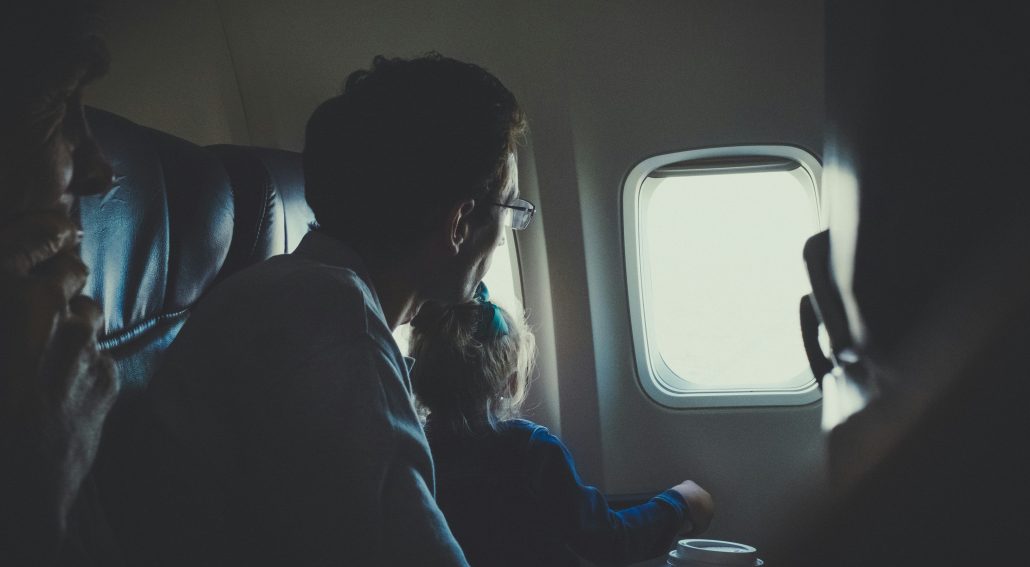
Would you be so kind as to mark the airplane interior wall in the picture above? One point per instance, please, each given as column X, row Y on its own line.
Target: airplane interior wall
column 605, row 85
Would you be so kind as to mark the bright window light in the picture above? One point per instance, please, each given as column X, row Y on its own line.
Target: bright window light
column 501, row 279
column 726, row 273
column 717, row 274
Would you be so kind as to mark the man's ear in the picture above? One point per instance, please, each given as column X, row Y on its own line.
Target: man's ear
column 458, row 226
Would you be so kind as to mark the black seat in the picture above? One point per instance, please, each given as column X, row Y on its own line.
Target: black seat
column 268, row 189
column 179, row 218
column 154, row 242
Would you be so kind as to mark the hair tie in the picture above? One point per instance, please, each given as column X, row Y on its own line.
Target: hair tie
column 497, row 327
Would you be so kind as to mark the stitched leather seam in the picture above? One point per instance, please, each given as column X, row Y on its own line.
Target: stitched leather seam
column 269, row 187
column 127, row 335
column 262, row 220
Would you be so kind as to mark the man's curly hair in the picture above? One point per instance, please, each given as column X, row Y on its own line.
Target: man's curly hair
column 407, row 138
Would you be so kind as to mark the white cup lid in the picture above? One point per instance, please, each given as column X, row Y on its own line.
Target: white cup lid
column 716, row 552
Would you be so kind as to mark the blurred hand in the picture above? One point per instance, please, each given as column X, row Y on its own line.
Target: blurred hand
column 700, row 504
column 56, row 387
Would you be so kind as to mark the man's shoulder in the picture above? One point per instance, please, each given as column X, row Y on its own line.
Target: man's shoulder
column 294, row 270
column 285, row 308
column 294, row 285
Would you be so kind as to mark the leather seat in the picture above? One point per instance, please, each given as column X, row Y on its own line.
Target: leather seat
column 179, row 219
column 154, row 242
column 272, row 214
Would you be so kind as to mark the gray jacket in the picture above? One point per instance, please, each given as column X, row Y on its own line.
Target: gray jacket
column 287, row 406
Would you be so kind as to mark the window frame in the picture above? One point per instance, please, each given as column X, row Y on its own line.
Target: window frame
column 653, row 374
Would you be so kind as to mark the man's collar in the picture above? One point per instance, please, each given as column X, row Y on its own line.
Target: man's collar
column 321, row 247
column 318, row 245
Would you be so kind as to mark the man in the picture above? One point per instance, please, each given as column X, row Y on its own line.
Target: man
column 284, row 404
column 56, row 388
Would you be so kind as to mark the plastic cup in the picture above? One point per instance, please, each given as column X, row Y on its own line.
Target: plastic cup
column 713, row 553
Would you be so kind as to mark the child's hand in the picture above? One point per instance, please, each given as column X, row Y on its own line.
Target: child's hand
column 700, row 506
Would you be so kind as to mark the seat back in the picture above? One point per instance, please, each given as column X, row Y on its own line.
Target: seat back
column 154, row 242
column 179, row 218
column 268, row 190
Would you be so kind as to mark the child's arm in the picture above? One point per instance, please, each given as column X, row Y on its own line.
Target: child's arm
column 580, row 516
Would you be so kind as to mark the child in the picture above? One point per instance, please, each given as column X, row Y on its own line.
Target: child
column 508, row 487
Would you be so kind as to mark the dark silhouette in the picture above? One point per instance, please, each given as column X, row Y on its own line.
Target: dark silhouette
column 926, row 126
column 56, row 388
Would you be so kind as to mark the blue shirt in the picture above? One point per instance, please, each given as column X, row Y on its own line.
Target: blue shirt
column 286, row 426
column 513, row 498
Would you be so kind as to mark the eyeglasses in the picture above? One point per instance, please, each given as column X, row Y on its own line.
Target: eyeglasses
column 522, row 212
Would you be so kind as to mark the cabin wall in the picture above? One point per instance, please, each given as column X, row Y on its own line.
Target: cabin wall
column 676, row 76
column 605, row 85
column 171, row 69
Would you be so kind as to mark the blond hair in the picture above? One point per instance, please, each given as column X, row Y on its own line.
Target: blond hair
column 465, row 378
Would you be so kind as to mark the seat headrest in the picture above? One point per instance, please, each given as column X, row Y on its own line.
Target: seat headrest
column 268, row 188
column 155, row 241
column 178, row 218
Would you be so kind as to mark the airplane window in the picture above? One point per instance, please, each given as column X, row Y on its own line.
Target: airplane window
column 501, row 279
column 719, row 275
